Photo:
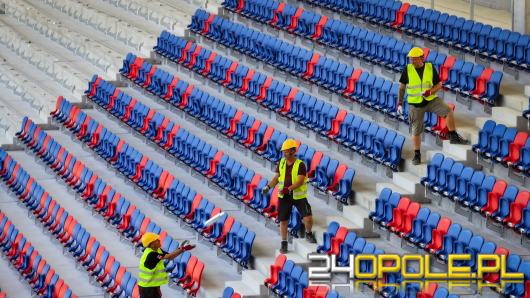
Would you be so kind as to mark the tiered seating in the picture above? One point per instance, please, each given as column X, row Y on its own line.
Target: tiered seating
column 175, row 196
column 66, row 75
column 290, row 280
column 155, row 11
column 492, row 197
column 42, row 279
column 76, row 240
column 440, row 237
column 343, row 243
column 302, row 108
column 102, row 57
column 286, row 278
column 229, row 292
column 228, row 173
column 29, row 91
column 503, row 46
column 252, row 133
column 465, row 78
column 106, row 23
column 504, row 145
column 113, row 207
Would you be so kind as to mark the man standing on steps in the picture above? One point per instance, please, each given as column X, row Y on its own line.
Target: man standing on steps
column 421, row 82
column 291, row 177
column 152, row 269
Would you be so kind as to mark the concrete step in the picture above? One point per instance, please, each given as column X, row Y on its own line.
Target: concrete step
column 459, row 152
column 406, row 181
column 516, row 101
column 506, row 115
column 357, row 213
column 479, row 122
column 303, row 248
column 363, row 198
column 470, row 133
column 254, row 280
column 262, row 264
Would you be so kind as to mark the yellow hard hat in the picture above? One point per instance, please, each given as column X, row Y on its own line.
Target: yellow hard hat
column 149, row 238
column 415, row 52
column 288, row 144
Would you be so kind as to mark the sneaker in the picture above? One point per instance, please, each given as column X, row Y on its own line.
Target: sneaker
column 310, row 237
column 283, row 248
column 417, row 159
column 455, row 138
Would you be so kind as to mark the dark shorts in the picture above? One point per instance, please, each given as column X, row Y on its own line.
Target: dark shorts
column 151, row 292
column 285, row 205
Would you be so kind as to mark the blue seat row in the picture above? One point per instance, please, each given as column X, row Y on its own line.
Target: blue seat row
column 130, row 221
column 228, row 173
column 254, row 135
column 92, row 256
column 440, row 237
column 494, row 43
column 490, row 196
column 389, row 52
column 504, row 145
column 31, row 265
column 177, row 197
column 303, row 108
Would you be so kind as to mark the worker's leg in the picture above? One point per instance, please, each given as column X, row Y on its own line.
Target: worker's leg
column 416, row 115
column 285, row 205
column 308, row 223
column 450, row 121
column 283, row 229
column 416, row 142
column 440, row 108
column 305, row 210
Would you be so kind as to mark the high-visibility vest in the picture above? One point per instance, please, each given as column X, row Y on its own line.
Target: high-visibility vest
column 417, row 85
column 155, row 277
column 301, row 191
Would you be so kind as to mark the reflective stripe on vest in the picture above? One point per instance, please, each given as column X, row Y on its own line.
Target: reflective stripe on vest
column 417, row 85
column 151, row 277
column 298, row 193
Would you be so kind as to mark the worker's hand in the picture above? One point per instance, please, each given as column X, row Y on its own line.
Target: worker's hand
column 265, row 190
column 400, row 109
column 186, row 245
column 427, row 92
column 285, row 191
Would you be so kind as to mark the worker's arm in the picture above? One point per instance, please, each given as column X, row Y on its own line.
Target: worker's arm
column 299, row 182
column 401, row 93
column 273, row 181
column 174, row 254
column 436, row 88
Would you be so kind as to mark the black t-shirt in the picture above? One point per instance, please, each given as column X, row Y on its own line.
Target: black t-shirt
column 288, row 169
column 404, row 79
column 152, row 259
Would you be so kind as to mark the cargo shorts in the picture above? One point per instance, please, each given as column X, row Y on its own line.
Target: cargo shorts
column 417, row 114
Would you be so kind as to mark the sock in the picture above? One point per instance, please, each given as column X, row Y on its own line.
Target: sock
column 417, row 152
column 284, row 240
column 309, row 233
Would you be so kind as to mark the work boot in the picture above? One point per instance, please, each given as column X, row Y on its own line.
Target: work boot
column 455, row 138
column 417, row 159
column 310, row 237
column 283, row 248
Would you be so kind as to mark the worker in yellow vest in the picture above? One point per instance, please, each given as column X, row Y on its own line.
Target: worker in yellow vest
column 152, row 272
column 421, row 82
column 291, row 177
